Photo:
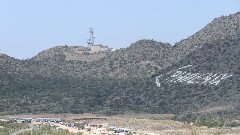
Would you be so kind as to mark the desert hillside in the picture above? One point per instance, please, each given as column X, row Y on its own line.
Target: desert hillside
column 64, row 79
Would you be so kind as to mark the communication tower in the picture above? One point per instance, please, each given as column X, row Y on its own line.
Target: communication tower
column 90, row 41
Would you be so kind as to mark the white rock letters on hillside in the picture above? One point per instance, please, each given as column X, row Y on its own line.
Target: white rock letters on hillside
column 181, row 75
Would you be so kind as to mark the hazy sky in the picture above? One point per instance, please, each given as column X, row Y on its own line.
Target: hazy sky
column 30, row 26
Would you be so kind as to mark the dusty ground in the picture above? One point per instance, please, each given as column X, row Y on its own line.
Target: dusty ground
column 145, row 123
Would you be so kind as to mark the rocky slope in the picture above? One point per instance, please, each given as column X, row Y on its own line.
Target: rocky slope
column 206, row 78
column 220, row 28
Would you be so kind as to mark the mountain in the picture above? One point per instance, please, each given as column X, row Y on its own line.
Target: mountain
column 198, row 74
column 220, row 28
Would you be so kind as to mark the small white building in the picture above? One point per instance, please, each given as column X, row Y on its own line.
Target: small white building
column 98, row 48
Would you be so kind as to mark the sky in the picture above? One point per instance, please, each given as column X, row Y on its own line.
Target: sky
column 28, row 27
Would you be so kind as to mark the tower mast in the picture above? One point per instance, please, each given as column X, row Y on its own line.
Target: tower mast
column 90, row 41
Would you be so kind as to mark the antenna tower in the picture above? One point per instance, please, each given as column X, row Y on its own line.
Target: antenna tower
column 90, row 41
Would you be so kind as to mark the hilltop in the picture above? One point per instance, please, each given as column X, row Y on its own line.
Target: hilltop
column 70, row 53
column 220, row 28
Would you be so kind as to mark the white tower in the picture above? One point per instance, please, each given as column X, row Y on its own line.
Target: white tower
column 90, row 41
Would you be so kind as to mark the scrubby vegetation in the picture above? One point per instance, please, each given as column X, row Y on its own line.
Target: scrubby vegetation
column 220, row 119
column 48, row 130
column 59, row 93
column 10, row 127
